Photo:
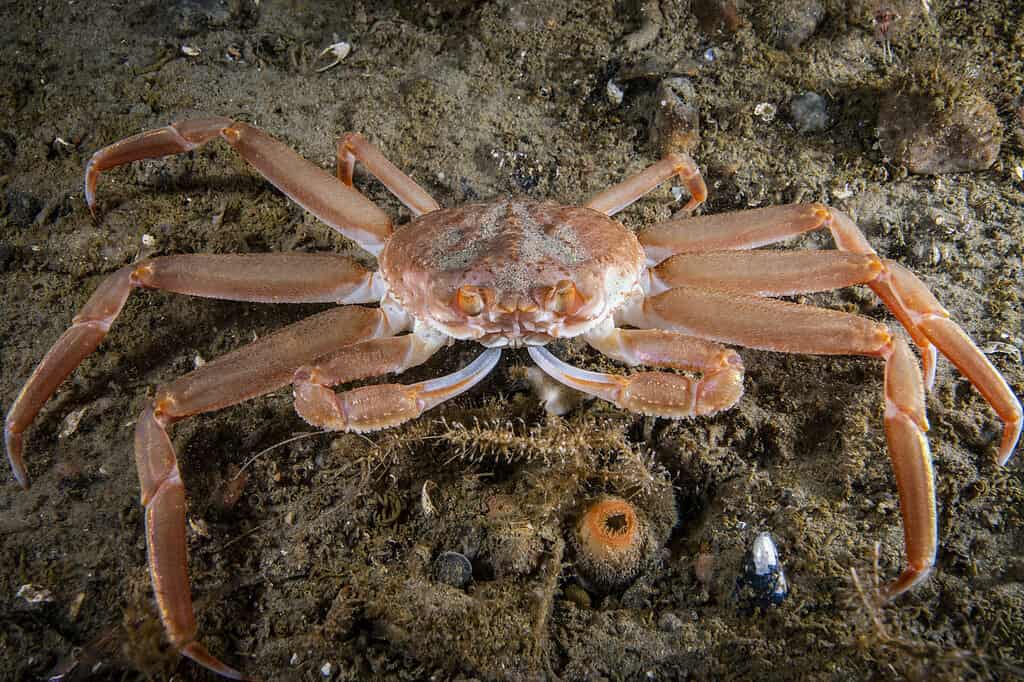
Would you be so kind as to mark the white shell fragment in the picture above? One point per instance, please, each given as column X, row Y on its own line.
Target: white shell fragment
column 71, row 422
column 338, row 50
column 765, row 111
column 190, row 51
column 34, row 594
column 614, row 93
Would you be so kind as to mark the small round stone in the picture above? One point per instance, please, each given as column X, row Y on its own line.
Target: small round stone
column 809, row 112
column 578, row 596
column 452, row 568
column 670, row 622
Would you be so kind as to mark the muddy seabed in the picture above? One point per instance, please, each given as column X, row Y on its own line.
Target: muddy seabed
column 317, row 560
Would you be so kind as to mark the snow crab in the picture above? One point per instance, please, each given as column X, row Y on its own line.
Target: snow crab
column 510, row 273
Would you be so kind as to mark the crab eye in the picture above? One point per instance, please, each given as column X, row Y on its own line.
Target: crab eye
column 564, row 299
column 469, row 300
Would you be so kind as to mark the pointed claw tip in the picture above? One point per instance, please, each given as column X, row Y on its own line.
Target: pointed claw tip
column 1010, row 437
column 198, row 653
column 13, row 444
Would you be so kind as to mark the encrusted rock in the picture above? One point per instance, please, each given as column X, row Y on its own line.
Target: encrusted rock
column 787, row 24
column 810, row 113
column 932, row 134
column 453, row 569
column 676, row 122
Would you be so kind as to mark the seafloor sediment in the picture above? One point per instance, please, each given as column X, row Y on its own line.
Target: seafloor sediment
column 317, row 558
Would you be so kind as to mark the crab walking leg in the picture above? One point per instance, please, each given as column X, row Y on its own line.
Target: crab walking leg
column 370, row 408
column 762, row 226
column 339, row 206
column 655, row 393
column 618, row 197
column 256, row 369
column 906, row 296
column 353, row 146
column 775, row 325
column 764, row 273
column 755, row 322
column 932, row 319
column 282, row 278
column 905, row 427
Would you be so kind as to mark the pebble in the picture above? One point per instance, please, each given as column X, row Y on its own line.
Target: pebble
column 191, row 17
column 715, row 16
column 452, row 568
column 22, row 207
column 675, row 126
column 810, row 113
column 614, row 93
column 763, row 582
column 933, row 135
column 578, row 596
column 787, row 24
column 670, row 622
column 6, row 256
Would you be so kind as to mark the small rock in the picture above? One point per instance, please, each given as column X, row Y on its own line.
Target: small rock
column 326, row 669
column 650, row 25
column 578, row 596
column 763, row 582
column 715, row 16
column 932, row 135
column 190, row 17
column 670, row 622
column 810, row 113
column 675, row 126
column 452, row 568
column 6, row 256
column 787, row 24
column 22, row 207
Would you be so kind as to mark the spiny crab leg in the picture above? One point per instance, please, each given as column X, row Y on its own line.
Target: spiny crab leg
column 379, row 406
column 277, row 277
column 353, row 146
column 336, row 204
column 618, row 197
column 909, row 300
column 905, row 428
column 757, row 322
column 764, row 273
column 256, row 369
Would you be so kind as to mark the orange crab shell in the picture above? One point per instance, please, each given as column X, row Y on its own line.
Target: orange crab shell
column 512, row 273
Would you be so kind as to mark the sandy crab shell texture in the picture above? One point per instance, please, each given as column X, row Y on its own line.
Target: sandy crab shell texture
column 514, row 253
